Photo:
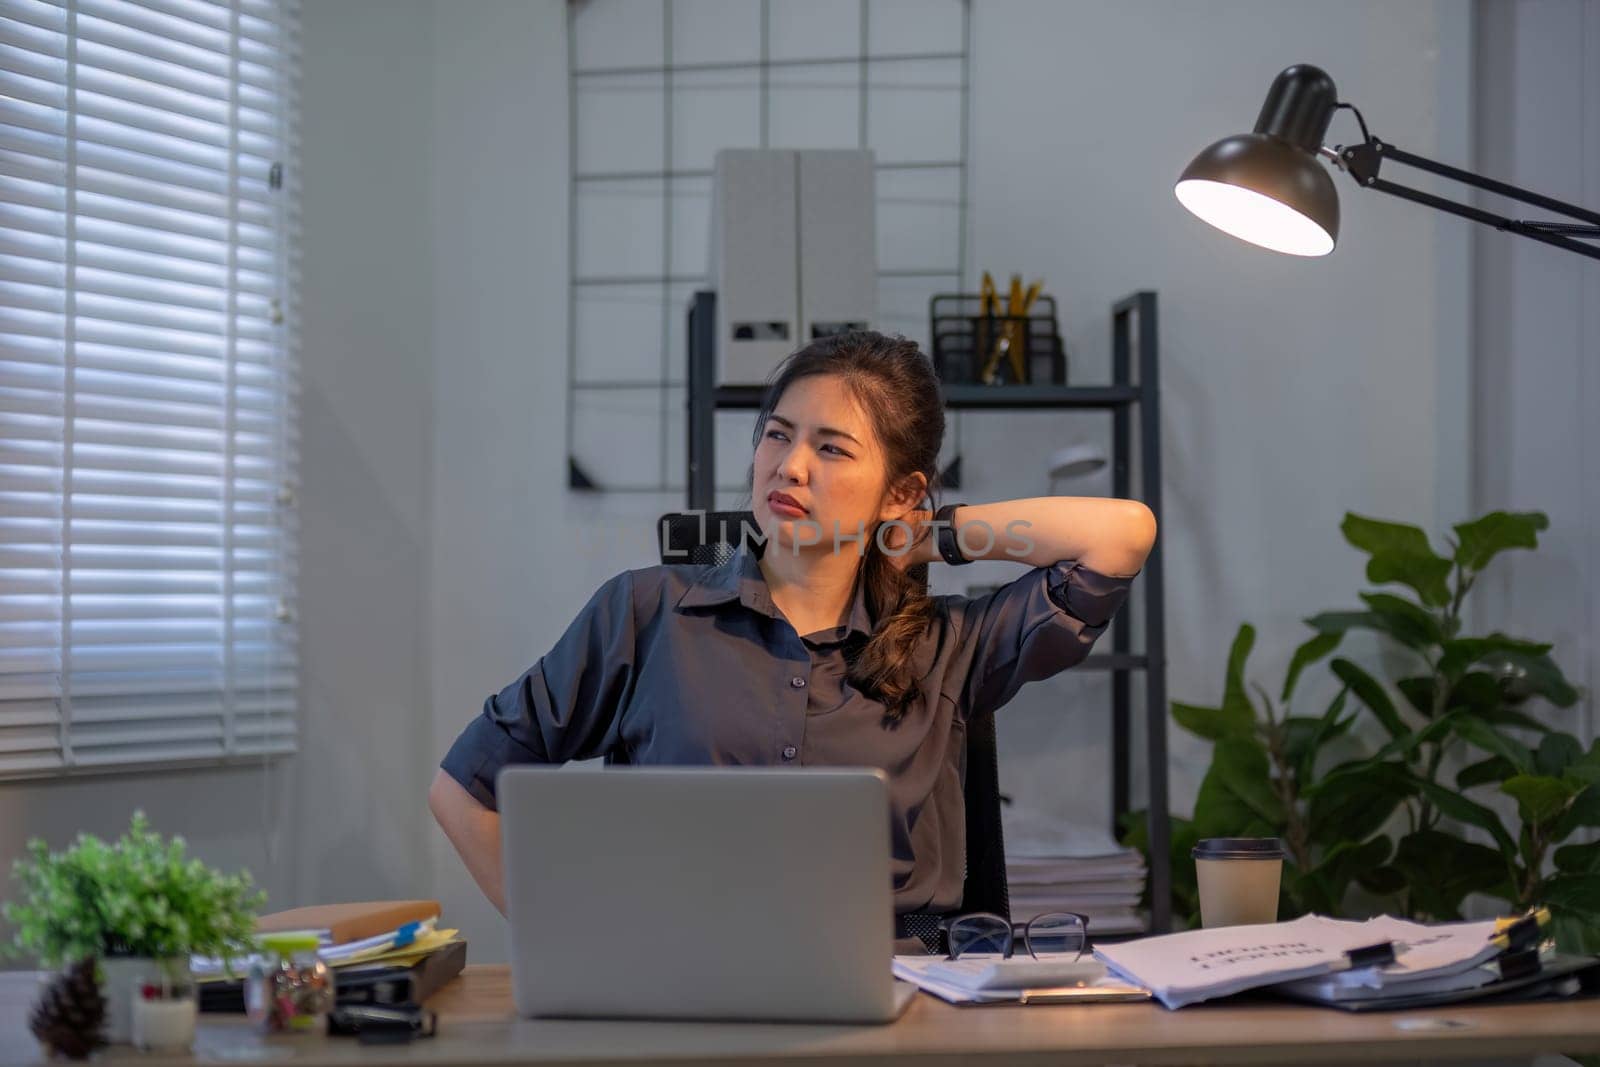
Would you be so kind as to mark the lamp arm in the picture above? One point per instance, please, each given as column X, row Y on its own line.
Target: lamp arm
column 1363, row 161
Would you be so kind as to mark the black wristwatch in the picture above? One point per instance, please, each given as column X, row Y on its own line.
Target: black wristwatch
column 949, row 546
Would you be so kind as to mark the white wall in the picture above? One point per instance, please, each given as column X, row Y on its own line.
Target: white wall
column 365, row 415
column 509, row 559
column 1292, row 390
column 235, row 818
column 1537, row 332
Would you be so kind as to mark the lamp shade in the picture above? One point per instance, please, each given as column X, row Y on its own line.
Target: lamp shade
column 1267, row 187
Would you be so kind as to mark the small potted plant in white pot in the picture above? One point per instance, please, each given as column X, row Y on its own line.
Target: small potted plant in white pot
column 139, row 906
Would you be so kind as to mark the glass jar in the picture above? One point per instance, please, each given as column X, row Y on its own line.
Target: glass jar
column 291, row 990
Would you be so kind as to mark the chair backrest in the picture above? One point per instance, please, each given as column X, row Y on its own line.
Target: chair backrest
column 706, row 537
column 710, row 538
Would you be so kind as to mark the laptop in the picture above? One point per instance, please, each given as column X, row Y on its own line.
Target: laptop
column 700, row 893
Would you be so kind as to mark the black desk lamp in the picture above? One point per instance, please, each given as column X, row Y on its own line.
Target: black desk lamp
column 1265, row 187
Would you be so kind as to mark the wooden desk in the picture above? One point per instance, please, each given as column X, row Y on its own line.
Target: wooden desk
column 476, row 1026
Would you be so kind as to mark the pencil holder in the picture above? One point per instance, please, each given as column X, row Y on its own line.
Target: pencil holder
column 971, row 347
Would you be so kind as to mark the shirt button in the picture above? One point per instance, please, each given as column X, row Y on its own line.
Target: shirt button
column 789, row 752
column 798, row 682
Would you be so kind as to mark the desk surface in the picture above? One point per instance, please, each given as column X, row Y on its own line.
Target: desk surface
column 477, row 1026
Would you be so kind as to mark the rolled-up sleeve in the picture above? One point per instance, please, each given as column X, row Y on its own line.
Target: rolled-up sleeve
column 566, row 706
column 1036, row 626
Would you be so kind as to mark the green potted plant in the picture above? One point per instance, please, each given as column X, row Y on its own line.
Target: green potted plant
column 138, row 904
column 1265, row 763
column 1465, row 699
column 1461, row 700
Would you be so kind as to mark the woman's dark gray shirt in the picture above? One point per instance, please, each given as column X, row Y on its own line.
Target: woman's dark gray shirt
column 694, row 665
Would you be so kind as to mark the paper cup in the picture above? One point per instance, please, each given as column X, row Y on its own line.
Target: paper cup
column 1238, row 879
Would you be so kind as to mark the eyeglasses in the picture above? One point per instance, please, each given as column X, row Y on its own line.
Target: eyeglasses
column 1054, row 935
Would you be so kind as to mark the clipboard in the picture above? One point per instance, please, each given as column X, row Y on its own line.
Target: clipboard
column 1103, row 990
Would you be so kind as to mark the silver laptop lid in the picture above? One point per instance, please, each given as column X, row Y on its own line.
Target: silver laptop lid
column 740, row 893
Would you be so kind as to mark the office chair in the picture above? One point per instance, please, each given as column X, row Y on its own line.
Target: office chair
column 984, row 887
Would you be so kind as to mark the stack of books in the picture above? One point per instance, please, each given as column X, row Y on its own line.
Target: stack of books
column 381, row 952
column 1052, row 865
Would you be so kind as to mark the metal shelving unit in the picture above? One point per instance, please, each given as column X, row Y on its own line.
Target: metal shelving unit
column 1134, row 337
column 860, row 56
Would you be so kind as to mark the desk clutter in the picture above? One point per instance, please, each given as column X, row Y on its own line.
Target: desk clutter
column 1052, row 866
column 1372, row 965
column 322, row 961
column 1375, row 964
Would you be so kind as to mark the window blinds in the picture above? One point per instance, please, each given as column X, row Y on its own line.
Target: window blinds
column 148, row 327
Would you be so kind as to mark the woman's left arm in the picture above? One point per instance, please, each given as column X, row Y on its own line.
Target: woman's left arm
column 1111, row 536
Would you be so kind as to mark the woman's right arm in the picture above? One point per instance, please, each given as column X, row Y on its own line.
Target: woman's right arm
column 475, row 832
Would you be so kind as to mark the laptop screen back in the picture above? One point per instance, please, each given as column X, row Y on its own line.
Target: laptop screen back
column 753, row 893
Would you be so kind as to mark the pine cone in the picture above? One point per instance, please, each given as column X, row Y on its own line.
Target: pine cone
column 70, row 1013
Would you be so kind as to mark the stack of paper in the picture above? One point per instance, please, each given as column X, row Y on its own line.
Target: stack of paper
column 1429, row 959
column 1052, row 865
column 1307, row 956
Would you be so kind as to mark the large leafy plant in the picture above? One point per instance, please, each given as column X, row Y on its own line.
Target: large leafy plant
column 1260, row 784
column 1261, row 781
column 138, row 896
column 1463, row 703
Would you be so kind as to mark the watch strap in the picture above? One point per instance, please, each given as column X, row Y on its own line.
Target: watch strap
column 949, row 545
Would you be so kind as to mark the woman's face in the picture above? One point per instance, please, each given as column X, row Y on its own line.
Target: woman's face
column 818, row 451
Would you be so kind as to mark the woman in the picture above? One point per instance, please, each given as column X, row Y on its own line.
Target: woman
column 819, row 644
